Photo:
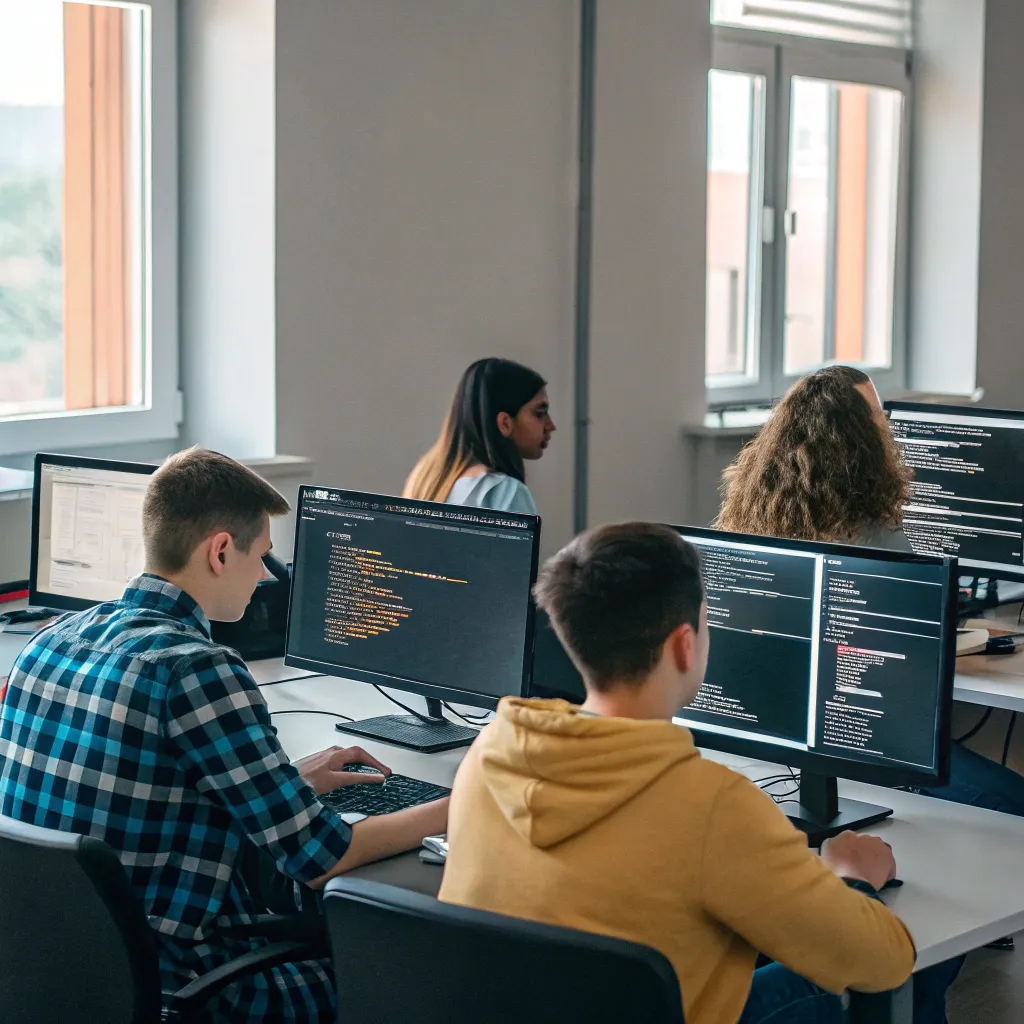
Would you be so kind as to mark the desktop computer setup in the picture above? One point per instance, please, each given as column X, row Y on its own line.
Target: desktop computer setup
column 831, row 659
column 968, row 494
column 427, row 598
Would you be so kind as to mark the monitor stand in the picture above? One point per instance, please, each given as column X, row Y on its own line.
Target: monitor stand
column 822, row 814
column 430, row 733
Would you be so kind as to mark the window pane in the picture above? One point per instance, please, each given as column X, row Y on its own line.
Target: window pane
column 735, row 200
column 807, row 224
column 73, row 137
column 844, row 151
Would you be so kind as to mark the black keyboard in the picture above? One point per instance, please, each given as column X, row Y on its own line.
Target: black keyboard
column 398, row 793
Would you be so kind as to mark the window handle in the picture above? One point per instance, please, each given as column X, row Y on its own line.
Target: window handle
column 790, row 223
column 768, row 225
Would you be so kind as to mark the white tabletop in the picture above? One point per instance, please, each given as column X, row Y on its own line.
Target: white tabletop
column 995, row 680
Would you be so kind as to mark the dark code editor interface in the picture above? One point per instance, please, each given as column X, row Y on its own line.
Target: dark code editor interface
column 832, row 654
column 968, row 489
column 440, row 598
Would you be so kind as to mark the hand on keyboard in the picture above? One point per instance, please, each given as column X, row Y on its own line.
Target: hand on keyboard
column 399, row 793
column 341, row 766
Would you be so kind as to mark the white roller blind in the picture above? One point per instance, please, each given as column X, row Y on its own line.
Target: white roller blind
column 875, row 22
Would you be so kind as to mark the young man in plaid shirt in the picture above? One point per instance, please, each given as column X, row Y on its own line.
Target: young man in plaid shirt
column 128, row 723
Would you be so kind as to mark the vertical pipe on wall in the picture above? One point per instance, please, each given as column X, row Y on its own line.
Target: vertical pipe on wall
column 584, row 244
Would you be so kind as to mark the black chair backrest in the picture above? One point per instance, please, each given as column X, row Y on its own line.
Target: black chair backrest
column 400, row 956
column 74, row 942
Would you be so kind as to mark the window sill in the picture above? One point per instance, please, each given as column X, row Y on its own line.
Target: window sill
column 16, row 484
column 732, row 423
column 747, row 422
column 277, row 467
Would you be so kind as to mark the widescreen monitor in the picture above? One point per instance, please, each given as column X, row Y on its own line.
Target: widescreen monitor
column 424, row 597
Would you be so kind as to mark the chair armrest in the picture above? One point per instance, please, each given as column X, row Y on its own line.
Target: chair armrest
column 307, row 928
column 186, row 1003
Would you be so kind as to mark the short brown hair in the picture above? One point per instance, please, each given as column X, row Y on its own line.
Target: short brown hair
column 196, row 493
column 616, row 593
column 820, row 469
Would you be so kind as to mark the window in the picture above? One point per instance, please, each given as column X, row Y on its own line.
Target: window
column 87, row 326
column 806, row 219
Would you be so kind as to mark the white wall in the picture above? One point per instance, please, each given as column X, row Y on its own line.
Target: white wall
column 949, row 44
column 648, row 288
column 425, row 218
column 227, row 225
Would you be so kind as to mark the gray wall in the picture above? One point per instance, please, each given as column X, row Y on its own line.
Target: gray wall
column 649, row 229
column 425, row 166
column 1001, row 275
column 949, row 43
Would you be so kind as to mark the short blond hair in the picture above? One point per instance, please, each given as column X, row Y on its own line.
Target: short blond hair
column 198, row 492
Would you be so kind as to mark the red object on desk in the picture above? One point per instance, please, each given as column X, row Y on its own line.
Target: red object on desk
column 16, row 591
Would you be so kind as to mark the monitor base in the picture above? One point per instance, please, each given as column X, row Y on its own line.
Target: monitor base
column 822, row 814
column 852, row 815
column 426, row 735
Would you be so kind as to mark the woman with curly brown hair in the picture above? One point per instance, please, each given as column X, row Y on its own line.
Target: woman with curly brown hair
column 825, row 467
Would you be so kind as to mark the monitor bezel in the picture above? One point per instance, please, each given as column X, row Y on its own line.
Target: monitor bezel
column 1005, row 571
column 61, row 602
column 826, row 764
column 417, row 686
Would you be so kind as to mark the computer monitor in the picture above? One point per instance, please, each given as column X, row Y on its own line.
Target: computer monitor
column 86, row 530
column 420, row 596
column 968, row 490
column 833, row 659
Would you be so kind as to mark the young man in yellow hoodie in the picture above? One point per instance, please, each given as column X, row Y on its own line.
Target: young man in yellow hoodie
column 607, row 819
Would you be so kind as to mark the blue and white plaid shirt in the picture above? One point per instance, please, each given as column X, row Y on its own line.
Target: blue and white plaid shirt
column 128, row 723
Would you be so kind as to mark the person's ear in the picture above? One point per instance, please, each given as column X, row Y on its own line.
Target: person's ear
column 506, row 424
column 219, row 545
column 682, row 642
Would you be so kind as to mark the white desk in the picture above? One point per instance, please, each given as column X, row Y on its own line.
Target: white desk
column 10, row 647
column 995, row 681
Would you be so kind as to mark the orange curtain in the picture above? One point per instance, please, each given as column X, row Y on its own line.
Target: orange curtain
column 97, row 310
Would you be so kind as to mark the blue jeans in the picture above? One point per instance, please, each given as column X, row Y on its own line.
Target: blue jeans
column 778, row 996
column 980, row 782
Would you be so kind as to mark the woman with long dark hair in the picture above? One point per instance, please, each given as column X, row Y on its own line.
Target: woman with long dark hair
column 499, row 419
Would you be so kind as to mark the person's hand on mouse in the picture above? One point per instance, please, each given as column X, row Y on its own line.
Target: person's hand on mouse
column 325, row 771
column 860, row 858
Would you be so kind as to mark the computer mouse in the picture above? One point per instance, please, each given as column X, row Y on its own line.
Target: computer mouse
column 1001, row 645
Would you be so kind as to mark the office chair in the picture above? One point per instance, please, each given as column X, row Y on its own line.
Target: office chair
column 76, row 945
column 400, row 956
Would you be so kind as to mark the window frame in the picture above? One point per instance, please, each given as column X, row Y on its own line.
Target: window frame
column 737, row 54
column 743, row 50
column 159, row 416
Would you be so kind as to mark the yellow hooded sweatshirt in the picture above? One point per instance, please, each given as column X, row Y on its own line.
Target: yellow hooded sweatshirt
column 619, row 826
